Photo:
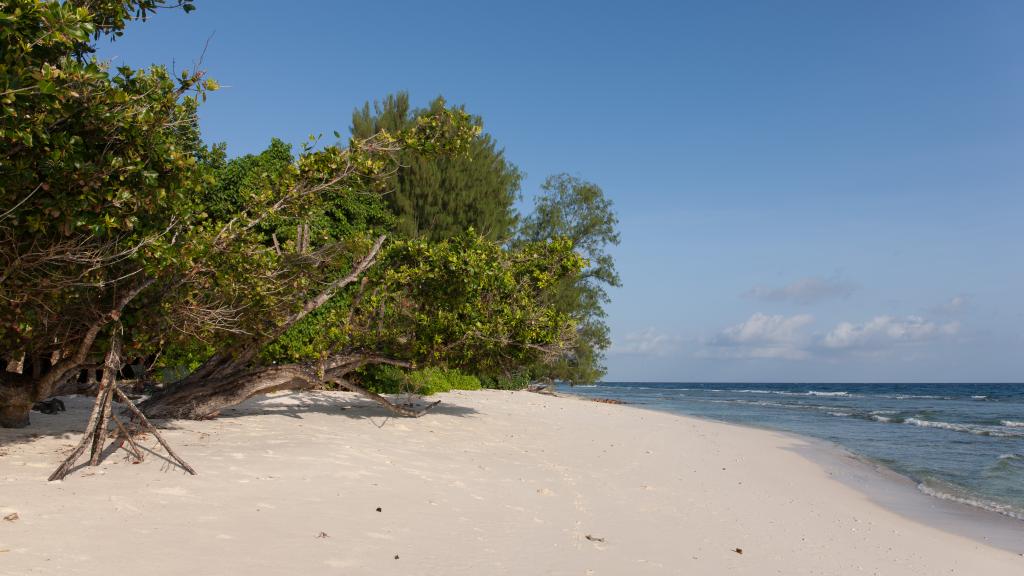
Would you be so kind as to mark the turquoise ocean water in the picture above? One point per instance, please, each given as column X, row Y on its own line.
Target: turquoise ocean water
column 961, row 442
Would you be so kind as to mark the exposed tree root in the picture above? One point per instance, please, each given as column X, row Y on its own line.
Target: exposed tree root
column 97, row 429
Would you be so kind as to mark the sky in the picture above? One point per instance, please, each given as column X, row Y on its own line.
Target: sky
column 808, row 191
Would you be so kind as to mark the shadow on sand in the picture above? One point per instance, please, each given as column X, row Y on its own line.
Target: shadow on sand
column 69, row 425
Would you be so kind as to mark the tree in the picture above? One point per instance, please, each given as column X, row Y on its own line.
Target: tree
column 577, row 210
column 437, row 197
column 96, row 172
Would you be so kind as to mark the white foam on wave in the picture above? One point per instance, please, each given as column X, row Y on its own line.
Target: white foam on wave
column 914, row 397
column 1012, row 424
column 880, row 418
column 787, row 392
column 967, row 428
column 758, row 403
column 942, row 425
column 941, row 494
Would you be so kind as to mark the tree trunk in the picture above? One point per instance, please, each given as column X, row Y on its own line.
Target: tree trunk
column 14, row 410
column 16, row 399
column 197, row 399
column 100, row 408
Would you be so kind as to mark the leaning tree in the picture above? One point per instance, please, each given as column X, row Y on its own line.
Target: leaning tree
column 465, row 302
column 97, row 168
column 125, row 237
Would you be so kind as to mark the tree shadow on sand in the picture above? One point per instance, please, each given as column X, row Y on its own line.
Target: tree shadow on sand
column 347, row 404
column 70, row 424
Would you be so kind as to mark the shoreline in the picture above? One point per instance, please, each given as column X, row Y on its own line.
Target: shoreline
column 326, row 482
column 900, row 493
column 896, row 490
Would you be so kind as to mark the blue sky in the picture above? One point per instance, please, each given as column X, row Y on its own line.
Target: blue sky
column 808, row 190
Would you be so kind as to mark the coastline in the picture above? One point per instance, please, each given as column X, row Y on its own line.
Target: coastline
column 900, row 493
column 492, row 482
column 888, row 487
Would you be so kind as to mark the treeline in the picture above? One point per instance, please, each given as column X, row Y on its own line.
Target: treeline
column 127, row 242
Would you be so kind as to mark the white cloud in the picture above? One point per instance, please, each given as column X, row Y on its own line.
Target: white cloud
column 764, row 336
column 789, row 337
column 804, row 291
column 885, row 331
column 647, row 342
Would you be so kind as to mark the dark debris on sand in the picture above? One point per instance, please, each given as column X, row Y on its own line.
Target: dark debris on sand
column 608, row 401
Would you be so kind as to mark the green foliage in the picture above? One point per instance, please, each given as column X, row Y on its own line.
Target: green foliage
column 107, row 188
column 278, row 228
column 108, row 192
column 388, row 379
column 467, row 303
column 438, row 196
column 515, row 381
column 384, row 379
column 177, row 359
column 96, row 166
column 433, row 380
column 578, row 211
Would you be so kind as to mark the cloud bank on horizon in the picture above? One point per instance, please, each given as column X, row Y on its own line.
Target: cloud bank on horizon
column 790, row 337
column 800, row 337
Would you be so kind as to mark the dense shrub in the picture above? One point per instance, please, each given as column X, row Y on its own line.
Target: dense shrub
column 507, row 382
column 383, row 379
column 432, row 380
column 393, row 380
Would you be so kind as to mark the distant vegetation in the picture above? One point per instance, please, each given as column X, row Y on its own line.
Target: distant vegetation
column 393, row 261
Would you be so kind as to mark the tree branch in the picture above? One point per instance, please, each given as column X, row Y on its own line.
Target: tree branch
column 391, row 406
column 248, row 352
column 45, row 385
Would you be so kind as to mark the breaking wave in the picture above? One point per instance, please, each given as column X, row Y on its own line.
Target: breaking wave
column 966, row 428
column 788, row 393
column 953, row 495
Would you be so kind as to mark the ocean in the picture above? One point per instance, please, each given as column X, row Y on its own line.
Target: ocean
column 960, row 442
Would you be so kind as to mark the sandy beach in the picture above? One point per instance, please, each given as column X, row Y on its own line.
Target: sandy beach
column 488, row 483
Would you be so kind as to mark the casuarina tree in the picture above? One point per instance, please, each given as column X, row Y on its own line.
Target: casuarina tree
column 435, row 197
column 574, row 209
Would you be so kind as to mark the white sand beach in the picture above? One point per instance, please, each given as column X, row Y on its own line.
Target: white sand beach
column 488, row 483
